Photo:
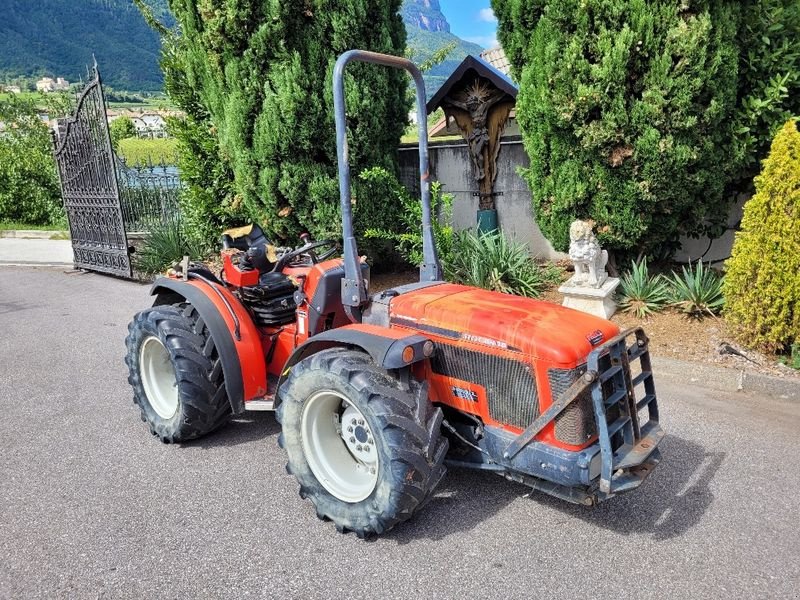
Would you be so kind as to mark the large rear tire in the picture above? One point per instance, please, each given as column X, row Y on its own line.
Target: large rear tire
column 175, row 372
column 366, row 449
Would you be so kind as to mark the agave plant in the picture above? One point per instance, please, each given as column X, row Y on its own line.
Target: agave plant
column 697, row 290
column 642, row 293
column 166, row 244
column 493, row 262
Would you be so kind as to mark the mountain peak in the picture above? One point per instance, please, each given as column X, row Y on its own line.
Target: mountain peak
column 425, row 15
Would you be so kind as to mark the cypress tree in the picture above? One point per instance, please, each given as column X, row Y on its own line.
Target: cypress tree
column 257, row 76
column 626, row 114
column 762, row 283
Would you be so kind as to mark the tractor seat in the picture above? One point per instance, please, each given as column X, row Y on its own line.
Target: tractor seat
column 244, row 238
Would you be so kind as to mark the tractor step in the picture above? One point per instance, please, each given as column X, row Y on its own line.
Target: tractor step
column 258, row 405
column 630, row 456
column 268, row 401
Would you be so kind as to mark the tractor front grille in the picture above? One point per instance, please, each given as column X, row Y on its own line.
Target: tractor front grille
column 576, row 425
column 510, row 384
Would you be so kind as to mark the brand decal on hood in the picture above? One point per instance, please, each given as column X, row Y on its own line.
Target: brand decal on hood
column 595, row 337
column 450, row 333
column 479, row 339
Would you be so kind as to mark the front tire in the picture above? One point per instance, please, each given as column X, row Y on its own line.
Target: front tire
column 175, row 372
column 367, row 450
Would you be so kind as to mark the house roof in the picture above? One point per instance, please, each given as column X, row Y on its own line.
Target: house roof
column 498, row 59
column 481, row 68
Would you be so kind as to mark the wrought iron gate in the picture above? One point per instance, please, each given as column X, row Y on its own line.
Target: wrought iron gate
column 89, row 187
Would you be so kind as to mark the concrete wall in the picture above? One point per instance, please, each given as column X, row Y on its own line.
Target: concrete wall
column 717, row 250
column 450, row 164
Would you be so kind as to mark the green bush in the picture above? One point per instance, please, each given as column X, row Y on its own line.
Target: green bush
column 642, row 293
column 493, row 262
column 626, row 114
column 121, row 128
column 406, row 235
column 29, row 187
column 697, row 290
column 762, row 284
column 769, row 78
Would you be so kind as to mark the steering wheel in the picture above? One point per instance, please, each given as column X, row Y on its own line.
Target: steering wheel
column 308, row 250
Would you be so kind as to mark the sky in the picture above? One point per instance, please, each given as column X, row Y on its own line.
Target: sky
column 471, row 20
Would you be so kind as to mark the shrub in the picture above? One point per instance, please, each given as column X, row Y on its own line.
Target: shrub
column 166, row 244
column 697, row 291
column 121, row 128
column 29, row 187
column 626, row 114
column 762, row 284
column 642, row 293
column 493, row 262
column 407, row 237
column 769, row 77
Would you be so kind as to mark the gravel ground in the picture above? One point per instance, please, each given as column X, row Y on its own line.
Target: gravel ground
column 91, row 506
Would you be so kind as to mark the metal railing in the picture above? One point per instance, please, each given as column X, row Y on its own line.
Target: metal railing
column 149, row 195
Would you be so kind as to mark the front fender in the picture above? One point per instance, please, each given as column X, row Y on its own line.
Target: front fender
column 385, row 346
column 233, row 331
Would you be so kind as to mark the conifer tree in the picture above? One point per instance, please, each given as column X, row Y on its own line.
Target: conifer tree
column 626, row 114
column 257, row 78
column 762, row 283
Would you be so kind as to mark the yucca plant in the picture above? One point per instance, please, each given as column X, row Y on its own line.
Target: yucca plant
column 165, row 245
column 493, row 262
column 641, row 293
column 697, row 290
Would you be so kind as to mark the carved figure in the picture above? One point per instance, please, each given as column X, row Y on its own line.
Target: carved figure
column 477, row 100
column 589, row 259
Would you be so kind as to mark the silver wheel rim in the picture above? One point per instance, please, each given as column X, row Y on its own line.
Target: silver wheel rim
column 158, row 377
column 339, row 446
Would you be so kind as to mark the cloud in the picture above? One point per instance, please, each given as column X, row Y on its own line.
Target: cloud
column 487, row 15
column 487, row 41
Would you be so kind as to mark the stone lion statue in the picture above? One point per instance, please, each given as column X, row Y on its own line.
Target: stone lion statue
column 589, row 259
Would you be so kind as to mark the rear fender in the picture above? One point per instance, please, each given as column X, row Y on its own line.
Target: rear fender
column 385, row 346
column 234, row 333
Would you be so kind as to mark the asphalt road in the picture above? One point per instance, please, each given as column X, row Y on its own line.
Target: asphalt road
column 92, row 506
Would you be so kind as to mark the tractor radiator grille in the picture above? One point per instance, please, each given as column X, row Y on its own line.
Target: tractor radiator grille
column 510, row 384
column 576, row 425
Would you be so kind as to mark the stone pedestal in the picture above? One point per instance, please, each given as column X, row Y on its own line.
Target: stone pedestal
column 595, row 301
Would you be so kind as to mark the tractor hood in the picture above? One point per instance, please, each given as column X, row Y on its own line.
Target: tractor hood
column 540, row 329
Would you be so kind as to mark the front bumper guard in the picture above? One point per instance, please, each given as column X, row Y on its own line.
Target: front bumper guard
column 628, row 449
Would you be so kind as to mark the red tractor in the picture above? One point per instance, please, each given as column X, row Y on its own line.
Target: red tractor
column 377, row 392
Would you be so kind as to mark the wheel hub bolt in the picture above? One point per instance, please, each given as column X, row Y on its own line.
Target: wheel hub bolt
column 353, row 422
column 352, row 440
column 366, row 448
column 361, row 421
column 359, row 448
column 349, row 430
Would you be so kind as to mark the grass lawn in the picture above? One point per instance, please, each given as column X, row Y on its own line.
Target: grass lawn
column 137, row 151
column 16, row 225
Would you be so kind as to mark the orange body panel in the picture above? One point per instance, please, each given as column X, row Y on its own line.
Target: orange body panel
column 254, row 372
column 540, row 334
